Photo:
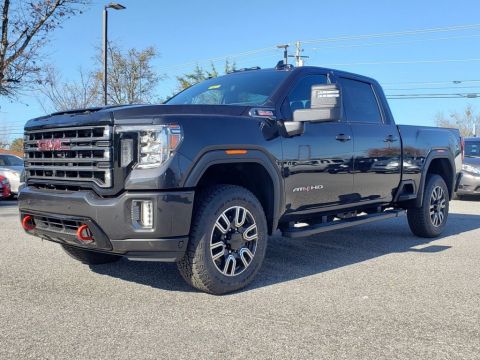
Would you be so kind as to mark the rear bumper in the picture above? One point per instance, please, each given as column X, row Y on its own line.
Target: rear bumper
column 57, row 215
column 469, row 184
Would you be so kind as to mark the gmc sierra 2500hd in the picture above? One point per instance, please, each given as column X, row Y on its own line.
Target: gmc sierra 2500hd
column 203, row 179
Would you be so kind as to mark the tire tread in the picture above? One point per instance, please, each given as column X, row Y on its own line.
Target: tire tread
column 192, row 266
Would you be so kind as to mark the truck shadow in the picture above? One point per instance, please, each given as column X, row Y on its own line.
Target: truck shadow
column 291, row 259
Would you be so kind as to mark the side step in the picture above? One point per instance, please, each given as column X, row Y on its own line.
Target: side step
column 340, row 224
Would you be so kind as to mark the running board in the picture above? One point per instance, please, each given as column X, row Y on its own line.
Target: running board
column 340, row 224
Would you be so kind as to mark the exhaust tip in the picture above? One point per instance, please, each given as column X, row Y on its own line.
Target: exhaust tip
column 28, row 223
column 84, row 233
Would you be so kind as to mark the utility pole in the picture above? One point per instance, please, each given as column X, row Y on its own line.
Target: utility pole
column 298, row 55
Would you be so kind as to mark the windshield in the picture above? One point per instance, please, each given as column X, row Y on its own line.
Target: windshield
column 242, row 88
column 472, row 148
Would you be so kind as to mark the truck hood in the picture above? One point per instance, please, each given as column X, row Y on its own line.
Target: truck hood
column 120, row 114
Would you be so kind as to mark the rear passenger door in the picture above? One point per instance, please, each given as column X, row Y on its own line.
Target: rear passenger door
column 376, row 143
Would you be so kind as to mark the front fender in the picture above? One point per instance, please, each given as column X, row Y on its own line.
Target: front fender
column 219, row 156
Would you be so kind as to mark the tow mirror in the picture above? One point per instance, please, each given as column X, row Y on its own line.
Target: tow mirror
column 326, row 105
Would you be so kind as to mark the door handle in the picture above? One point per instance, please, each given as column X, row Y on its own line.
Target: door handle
column 390, row 138
column 343, row 137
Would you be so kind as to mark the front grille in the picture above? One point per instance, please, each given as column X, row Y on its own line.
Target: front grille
column 69, row 155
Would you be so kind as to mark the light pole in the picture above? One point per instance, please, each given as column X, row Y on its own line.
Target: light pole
column 115, row 6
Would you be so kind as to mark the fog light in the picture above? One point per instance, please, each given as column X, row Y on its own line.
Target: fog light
column 142, row 214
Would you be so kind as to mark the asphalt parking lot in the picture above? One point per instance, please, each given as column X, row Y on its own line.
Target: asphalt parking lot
column 371, row 292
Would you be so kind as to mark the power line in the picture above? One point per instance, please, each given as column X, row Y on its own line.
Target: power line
column 219, row 58
column 433, row 88
column 404, row 62
column 434, row 96
column 425, row 97
column 393, row 34
column 331, row 39
column 432, row 82
column 396, row 42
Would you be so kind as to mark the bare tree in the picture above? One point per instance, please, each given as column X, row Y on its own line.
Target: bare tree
column 466, row 121
column 25, row 28
column 67, row 95
column 131, row 78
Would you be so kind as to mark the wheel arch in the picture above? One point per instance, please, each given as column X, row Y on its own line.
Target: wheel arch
column 253, row 170
column 441, row 163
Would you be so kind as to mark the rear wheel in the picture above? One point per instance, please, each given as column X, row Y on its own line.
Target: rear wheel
column 430, row 219
column 90, row 257
column 228, row 240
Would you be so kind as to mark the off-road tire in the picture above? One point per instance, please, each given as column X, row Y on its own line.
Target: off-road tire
column 419, row 219
column 90, row 257
column 197, row 266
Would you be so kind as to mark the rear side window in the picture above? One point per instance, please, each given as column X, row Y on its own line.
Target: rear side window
column 472, row 148
column 360, row 102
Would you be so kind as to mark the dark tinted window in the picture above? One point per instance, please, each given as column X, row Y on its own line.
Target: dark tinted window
column 299, row 97
column 472, row 148
column 360, row 102
column 244, row 88
column 9, row 160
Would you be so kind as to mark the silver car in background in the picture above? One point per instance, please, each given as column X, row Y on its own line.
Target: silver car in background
column 470, row 181
column 12, row 167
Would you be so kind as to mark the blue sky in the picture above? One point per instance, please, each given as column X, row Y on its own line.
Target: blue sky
column 189, row 32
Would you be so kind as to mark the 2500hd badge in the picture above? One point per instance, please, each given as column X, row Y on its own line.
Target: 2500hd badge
column 308, row 188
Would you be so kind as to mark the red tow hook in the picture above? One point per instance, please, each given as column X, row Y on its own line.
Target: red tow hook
column 28, row 223
column 84, row 234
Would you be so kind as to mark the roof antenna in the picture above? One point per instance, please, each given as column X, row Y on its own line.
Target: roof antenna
column 285, row 53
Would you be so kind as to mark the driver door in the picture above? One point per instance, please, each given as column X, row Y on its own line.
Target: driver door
column 317, row 165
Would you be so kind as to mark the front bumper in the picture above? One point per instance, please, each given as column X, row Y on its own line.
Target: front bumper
column 469, row 184
column 109, row 220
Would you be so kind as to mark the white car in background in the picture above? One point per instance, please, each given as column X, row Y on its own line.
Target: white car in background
column 12, row 167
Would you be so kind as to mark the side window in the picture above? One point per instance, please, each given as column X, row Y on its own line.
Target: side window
column 299, row 96
column 359, row 102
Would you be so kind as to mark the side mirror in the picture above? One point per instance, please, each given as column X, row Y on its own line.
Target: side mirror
column 326, row 105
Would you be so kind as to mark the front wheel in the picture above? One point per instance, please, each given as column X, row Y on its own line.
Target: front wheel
column 228, row 240
column 430, row 219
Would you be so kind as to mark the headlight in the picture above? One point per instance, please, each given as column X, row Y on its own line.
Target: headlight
column 156, row 143
column 470, row 169
column 4, row 181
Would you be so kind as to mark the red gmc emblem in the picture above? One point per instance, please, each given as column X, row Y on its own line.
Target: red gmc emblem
column 51, row 145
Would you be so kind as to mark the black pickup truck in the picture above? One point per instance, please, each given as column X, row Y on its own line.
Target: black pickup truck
column 205, row 178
